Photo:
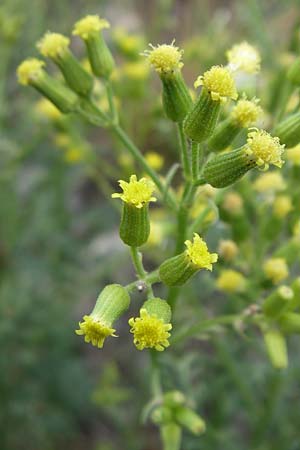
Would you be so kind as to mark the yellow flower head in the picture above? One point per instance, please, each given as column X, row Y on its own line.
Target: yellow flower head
column 269, row 182
column 30, row 70
column 293, row 155
column 282, row 206
column 228, row 249
column 233, row 203
column 53, row 45
column 164, row 58
column 155, row 160
column 219, row 83
column 246, row 112
column 89, row 25
column 244, row 57
column 276, row 269
column 137, row 192
column 149, row 331
column 264, row 148
column 136, row 70
column 94, row 331
column 231, row 281
column 45, row 108
column 198, row 253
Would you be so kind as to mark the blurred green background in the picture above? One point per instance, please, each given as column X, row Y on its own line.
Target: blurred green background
column 59, row 245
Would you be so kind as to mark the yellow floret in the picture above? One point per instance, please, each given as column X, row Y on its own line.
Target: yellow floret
column 244, row 57
column 282, row 206
column 231, row 281
column 246, row 112
column 136, row 192
column 276, row 269
column 53, row 45
column 164, row 58
column 155, row 160
column 293, row 155
column 30, row 70
column 198, row 253
column 264, row 148
column 219, row 83
column 94, row 331
column 89, row 25
column 149, row 331
column 269, row 182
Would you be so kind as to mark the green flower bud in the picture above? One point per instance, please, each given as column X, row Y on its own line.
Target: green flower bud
column 276, row 348
column 224, row 134
column 89, row 29
column 56, row 47
column 188, row 419
column 290, row 323
column 278, row 302
column 288, row 130
column 177, row 270
column 161, row 415
column 112, row 302
column 293, row 74
column 31, row 72
column 173, row 399
column 295, row 303
column 171, row 436
column 135, row 223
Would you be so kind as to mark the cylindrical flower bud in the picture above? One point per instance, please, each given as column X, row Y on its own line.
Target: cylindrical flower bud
column 276, row 348
column 31, row 72
column 171, row 436
column 166, row 60
column 177, row 270
column 56, row 47
column 188, row 419
column 161, row 415
column 288, row 130
column 112, row 302
column 244, row 114
column 173, row 399
column 135, row 223
column 218, row 85
column 293, row 74
column 290, row 323
column 261, row 150
column 151, row 329
column 89, row 29
column 295, row 303
column 278, row 302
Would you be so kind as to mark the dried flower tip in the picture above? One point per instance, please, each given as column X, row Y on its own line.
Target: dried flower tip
column 244, row 57
column 89, row 25
column 198, row 253
column 164, row 58
column 136, row 192
column 150, row 331
column 53, row 45
column 94, row 331
column 264, row 148
column 30, row 71
column 246, row 112
column 219, row 83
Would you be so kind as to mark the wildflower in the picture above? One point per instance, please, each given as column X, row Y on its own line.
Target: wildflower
column 246, row 112
column 151, row 329
column 244, row 57
column 177, row 270
column 228, row 249
column 89, row 29
column 233, row 203
column 293, row 155
column 137, row 192
column 155, row 160
column 282, row 206
column 276, row 348
column 264, row 148
column 135, row 223
column 269, row 182
column 276, row 270
column 56, row 47
column 30, row 71
column 112, row 302
column 231, row 281
column 218, row 85
column 166, row 60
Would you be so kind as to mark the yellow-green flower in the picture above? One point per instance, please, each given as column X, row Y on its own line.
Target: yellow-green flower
column 219, row 82
column 198, row 253
column 276, row 269
column 155, row 160
column 264, row 148
column 246, row 112
column 228, row 249
column 164, row 58
column 244, row 57
column 94, row 331
column 282, row 206
column 149, row 331
column 53, row 45
column 89, row 25
column 136, row 192
column 231, row 281
column 269, row 182
column 30, row 71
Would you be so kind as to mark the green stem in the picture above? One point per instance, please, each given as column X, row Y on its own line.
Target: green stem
column 151, row 278
column 135, row 152
column 195, row 150
column 111, row 102
column 141, row 272
column 184, row 152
